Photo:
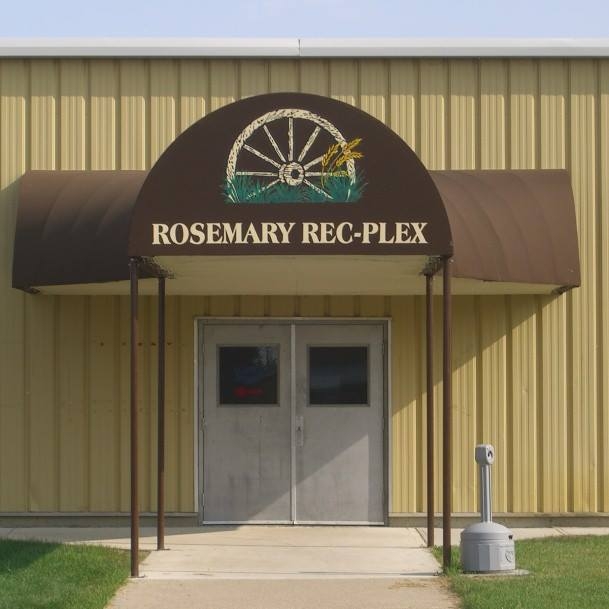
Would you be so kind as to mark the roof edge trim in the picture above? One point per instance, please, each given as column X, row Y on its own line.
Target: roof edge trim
column 304, row 47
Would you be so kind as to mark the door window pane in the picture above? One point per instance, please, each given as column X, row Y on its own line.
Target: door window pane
column 338, row 375
column 248, row 375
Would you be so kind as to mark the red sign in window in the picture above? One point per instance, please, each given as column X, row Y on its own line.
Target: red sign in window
column 245, row 392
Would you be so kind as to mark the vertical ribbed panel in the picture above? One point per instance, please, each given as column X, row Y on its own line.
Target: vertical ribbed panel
column 554, row 385
column 103, row 91
column 14, row 408
column 603, row 219
column 70, row 325
column 374, row 89
column 124, row 360
column 583, row 129
column 41, row 389
column 103, row 412
column 73, row 98
column 134, row 117
column 283, row 75
column 344, row 80
column 224, row 83
column 254, row 78
column 493, row 113
column 403, row 98
column 433, row 92
column 463, row 100
column 163, row 103
column 522, row 424
column 73, row 408
column 186, row 309
column 194, row 91
column 492, row 405
column 464, row 401
column 314, row 77
column 529, row 371
column 522, row 363
column 406, row 403
column 522, row 113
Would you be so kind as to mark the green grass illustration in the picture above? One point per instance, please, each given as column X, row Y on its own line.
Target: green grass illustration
column 337, row 189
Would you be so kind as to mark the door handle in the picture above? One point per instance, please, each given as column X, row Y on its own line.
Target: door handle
column 300, row 432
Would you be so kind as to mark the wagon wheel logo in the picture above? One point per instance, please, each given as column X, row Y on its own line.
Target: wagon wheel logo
column 292, row 155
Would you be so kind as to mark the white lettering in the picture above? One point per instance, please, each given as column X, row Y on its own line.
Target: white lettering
column 370, row 228
column 251, row 233
column 309, row 232
column 327, row 232
column 401, row 232
column 383, row 236
column 232, row 233
column 197, row 233
column 341, row 229
column 213, row 233
column 159, row 234
column 418, row 229
column 269, row 232
column 184, row 233
column 285, row 230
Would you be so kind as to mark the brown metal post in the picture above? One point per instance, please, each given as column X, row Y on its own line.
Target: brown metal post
column 447, row 416
column 160, row 523
column 430, row 407
column 135, row 514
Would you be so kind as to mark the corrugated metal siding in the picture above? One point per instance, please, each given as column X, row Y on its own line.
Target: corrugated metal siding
column 528, row 370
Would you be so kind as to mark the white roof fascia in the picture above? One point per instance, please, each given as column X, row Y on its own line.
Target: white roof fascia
column 149, row 47
column 304, row 47
column 455, row 47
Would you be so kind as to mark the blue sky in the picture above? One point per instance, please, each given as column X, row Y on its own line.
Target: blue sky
column 306, row 18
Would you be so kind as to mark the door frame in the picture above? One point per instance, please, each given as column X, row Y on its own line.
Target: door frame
column 199, row 322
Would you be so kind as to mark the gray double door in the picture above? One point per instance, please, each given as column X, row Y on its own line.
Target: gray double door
column 292, row 423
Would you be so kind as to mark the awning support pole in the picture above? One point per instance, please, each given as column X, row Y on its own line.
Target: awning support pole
column 447, row 416
column 430, row 408
column 160, row 525
column 135, row 515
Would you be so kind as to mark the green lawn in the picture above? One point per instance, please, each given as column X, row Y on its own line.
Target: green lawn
column 566, row 573
column 54, row 576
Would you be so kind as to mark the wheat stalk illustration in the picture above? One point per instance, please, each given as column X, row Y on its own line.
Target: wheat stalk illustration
column 336, row 156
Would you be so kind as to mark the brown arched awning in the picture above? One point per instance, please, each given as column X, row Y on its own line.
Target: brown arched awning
column 308, row 181
column 515, row 226
column 73, row 227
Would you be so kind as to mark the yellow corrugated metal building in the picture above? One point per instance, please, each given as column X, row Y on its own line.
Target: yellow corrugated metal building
column 530, row 372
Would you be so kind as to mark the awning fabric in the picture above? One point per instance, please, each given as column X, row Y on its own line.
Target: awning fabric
column 73, row 227
column 513, row 226
column 507, row 226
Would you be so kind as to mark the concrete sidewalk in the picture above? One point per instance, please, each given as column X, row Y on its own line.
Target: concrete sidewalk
column 269, row 552
column 286, row 567
column 282, row 567
column 273, row 567
column 287, row 594
column 273, row 552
